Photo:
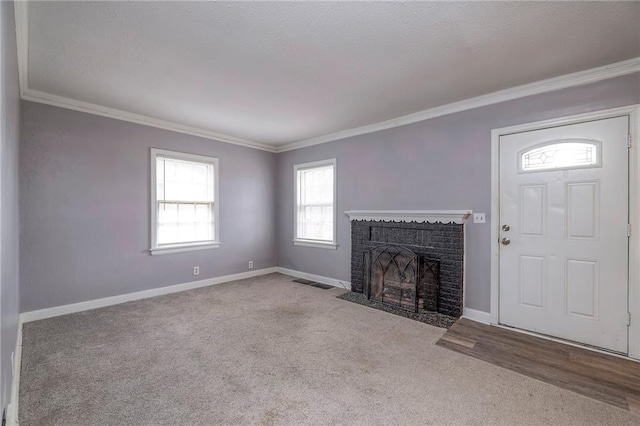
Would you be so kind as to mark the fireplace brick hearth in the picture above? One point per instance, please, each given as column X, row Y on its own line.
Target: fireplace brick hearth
column 443, row 242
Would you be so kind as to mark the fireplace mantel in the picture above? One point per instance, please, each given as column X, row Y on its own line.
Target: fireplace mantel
column 420, row 216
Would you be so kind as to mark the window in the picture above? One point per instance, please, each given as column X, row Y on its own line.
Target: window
column 561, row 155
column 315, row 204
column 184, row 202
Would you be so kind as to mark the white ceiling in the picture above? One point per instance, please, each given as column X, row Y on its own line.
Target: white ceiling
column 277, row 73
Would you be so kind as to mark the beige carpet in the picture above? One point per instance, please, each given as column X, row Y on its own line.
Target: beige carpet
column 268, row 351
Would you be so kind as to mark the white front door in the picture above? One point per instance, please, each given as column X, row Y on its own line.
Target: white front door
column 563, row 232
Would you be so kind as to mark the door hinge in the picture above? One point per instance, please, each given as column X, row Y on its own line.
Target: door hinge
column 628, row 229
column 629, row 141
column 628, row 318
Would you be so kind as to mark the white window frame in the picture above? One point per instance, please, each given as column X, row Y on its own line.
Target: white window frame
column 183, row 247
column 315, row 243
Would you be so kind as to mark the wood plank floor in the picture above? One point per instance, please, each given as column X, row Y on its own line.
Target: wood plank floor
column 607, row 378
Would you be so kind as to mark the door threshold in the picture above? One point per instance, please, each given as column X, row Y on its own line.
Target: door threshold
column 568, row 342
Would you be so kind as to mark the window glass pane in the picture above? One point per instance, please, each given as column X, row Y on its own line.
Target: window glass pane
column 199, row 174
column 185, row 201
column 168, row 213
column 316, row 185
column 179, row 180
column 169, row 168
column 186, row 213
column 183, row 172
column 202, row 213
column 184, row 222
column 315, row 203
column 561, row 156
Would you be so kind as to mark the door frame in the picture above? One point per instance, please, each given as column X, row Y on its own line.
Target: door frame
column 633, row 112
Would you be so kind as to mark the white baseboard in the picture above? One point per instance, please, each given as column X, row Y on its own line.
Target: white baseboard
column 317, row 278
column 12, row 408
column 115, row 300
column 472, row 314
column 479, row 316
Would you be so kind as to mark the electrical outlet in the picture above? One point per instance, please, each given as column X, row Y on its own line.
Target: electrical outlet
column 479, row 218
column 251, row 264
column 196, row 270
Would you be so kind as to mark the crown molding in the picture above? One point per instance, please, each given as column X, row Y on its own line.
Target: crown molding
column 21, row 11
column 60, row 101
column 562, row 82
column 593, row 75
column 420, row 216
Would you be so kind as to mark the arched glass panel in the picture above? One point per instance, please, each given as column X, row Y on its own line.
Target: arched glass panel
column 566, row 154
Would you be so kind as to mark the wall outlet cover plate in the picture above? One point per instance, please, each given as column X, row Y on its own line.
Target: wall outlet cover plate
column 479, row 218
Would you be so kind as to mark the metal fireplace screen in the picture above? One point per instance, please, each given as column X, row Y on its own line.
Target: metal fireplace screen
column 397, row 276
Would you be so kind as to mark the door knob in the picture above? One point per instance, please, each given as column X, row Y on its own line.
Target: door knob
column 506, row 228
column 506, row 241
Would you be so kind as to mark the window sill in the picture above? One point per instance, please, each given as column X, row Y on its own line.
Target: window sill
column 305, row 243
column 183, row 248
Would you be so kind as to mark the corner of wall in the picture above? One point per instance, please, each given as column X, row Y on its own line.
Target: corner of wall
column 276, row 208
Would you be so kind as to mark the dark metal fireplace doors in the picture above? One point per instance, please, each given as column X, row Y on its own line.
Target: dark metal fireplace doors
column 397, row 276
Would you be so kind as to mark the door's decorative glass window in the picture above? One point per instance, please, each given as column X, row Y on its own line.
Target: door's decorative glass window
column 565, row 154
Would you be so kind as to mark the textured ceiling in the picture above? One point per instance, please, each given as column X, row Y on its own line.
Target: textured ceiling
column 281, row 72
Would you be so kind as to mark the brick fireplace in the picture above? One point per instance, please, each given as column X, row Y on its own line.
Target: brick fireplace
column 411, row 260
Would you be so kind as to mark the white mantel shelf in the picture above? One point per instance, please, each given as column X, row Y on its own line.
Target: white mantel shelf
column 420, row 216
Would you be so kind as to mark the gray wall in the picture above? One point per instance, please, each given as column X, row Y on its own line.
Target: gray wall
column 84, row 200
column 438, row 164
column 84, row 194
column 9, row 218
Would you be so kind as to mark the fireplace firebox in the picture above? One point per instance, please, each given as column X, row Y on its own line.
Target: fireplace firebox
column 395, row 275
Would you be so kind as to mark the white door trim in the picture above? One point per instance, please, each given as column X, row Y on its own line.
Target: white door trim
column 633, row 111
